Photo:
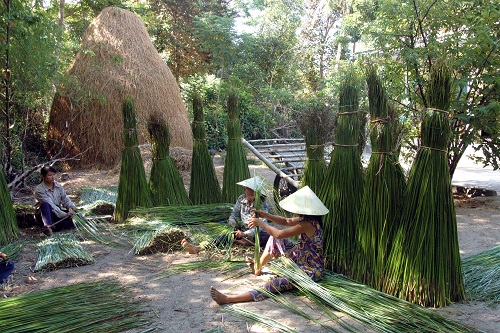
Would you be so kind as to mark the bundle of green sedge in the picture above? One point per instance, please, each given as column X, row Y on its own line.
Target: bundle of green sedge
column 235, row 163
column 375, row 310
column 8, row 223
column 343, row 186
column 204, row 187
column 424, row 266
column 383, row 190
column 482, row 276
column 61, row 251
column 133, row 190
column 165, row 181
column 101, row 306
column 316, row 124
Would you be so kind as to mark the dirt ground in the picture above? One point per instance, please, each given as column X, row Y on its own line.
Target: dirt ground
column 181, row 303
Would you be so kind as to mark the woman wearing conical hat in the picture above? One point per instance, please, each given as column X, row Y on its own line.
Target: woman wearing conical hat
column 240, row 216
column 307, row 253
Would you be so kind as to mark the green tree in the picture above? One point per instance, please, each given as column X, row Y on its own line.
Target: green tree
column 29, row 41
column 177, row 26
column 410, row 36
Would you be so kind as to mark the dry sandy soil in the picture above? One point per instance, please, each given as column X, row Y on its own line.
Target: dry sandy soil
column 181, row 303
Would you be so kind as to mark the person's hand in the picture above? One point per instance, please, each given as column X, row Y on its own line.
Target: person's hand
column 232, row 223
column 71, row 212
column 3, row 256
column 257, row 212
column 254, row 222
column 239, row 234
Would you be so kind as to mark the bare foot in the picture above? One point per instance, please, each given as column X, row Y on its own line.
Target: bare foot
column 251, row 264
column 190, row 248
column 217, row 296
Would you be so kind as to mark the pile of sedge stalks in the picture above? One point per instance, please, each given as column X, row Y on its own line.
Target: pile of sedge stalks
column 376, row 310
column 482, row 276
column 62, row 250
column 102, row 306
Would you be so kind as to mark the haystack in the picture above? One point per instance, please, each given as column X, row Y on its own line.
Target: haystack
column 117, row 59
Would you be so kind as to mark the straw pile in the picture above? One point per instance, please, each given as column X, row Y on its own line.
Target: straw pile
column 8, row 223
column 133, row 190
column 117, row 59
column 383, row 191
column 316, row 124
column 204, row 187
column 165, row 181
column 102, row 306
column 61, row 251
column 343, row 186
column 235, row 163
column 424, row 266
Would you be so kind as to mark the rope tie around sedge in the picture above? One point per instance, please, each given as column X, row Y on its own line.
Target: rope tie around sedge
column 436, row 149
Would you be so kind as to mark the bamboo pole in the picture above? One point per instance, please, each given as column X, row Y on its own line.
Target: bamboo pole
column 271, row 166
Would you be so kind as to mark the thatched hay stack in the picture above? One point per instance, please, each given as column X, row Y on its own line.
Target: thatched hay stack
column 117, row 59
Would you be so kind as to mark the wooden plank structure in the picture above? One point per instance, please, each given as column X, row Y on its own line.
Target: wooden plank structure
column 286, row 157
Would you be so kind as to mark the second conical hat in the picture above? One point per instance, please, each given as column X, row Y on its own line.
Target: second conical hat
column 304, row 202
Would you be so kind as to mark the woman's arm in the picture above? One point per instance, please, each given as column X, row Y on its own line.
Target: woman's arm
column 290, row 221
column 295, row 230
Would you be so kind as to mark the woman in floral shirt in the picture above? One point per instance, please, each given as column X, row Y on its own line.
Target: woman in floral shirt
column 307, row 253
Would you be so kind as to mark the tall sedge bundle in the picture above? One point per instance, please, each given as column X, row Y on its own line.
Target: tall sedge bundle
column 102, row 306
column 61, row 251
column 482, row 276
column 315, row 124
column 424, row 266
column 235, row 163
column 8, row 223
column 133, row 190
column 165, row 181
column 383, row 189
column 204, row 187
column 343, row 186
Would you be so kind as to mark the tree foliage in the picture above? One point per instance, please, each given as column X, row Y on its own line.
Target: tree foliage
column 410, row 36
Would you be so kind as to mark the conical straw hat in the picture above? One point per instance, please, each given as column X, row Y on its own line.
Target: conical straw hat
column 304, row 202
column 256, row 183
